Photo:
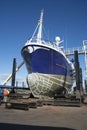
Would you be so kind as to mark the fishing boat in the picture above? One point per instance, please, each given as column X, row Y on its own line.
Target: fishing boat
column 49, row 70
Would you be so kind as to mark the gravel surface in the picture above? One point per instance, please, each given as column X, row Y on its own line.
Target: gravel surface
column 45, row 117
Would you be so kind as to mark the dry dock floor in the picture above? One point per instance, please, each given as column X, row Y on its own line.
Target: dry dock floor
column 46, row 117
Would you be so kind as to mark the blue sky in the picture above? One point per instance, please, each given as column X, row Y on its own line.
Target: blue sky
column 18, row 19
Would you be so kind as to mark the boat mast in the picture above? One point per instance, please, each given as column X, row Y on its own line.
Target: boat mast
column 39, row 34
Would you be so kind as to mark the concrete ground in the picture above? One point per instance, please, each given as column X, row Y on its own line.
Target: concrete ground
column 45, row 117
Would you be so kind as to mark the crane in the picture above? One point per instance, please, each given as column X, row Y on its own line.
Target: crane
column 10, row 75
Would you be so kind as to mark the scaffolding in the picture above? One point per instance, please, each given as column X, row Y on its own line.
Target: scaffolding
column 81, row 50
column 70, row 51
column 85, row 53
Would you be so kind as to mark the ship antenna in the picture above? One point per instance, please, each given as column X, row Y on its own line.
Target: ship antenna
column 39, row 34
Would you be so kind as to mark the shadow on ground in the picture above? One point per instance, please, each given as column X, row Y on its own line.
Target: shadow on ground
column 4, row 126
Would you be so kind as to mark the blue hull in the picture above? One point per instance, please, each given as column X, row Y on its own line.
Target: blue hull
column 46, row 61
